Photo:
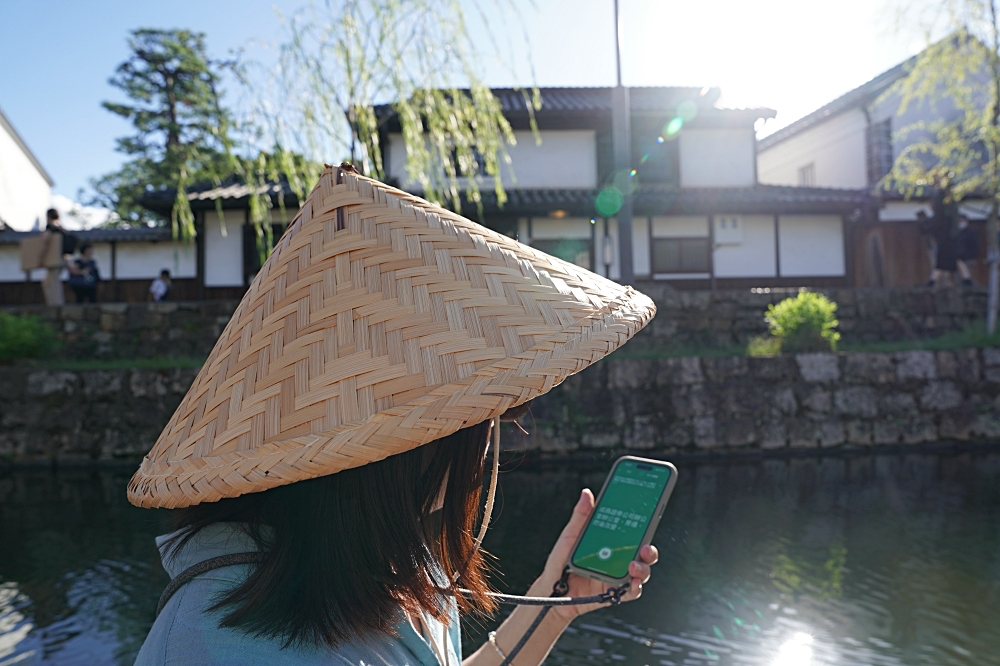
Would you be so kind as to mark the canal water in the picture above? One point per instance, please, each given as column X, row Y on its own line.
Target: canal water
column 877, row 560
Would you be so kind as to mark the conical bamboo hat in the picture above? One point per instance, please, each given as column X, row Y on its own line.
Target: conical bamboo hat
column 379, row 323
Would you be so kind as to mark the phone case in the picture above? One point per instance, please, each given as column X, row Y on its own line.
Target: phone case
column 654, row 522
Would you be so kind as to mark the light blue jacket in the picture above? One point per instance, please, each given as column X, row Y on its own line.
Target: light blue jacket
column 186, row 635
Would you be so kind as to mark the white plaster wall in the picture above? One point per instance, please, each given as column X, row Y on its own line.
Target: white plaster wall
column 522, row 230
column 906, row 211
column 717, row 157
column 564, row 159
column 754, row 257
column 811, row 245
column 616, row 266
column 224, row 253
column 640, row 246
column 136, row 261
column 896, row 211
column 142, row 261
column 102, row 255
column 549, row 228
column 10, row 265
column 25, row 195
column 836, row 146
column 395, row 166
column 680, row 226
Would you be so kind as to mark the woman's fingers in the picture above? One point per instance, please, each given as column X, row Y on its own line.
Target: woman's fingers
column 649, row 554
column 581, row 513
column 639, row 571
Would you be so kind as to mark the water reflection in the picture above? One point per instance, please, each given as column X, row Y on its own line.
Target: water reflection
column 79, row 575
column 796, row 651
column 879, row 561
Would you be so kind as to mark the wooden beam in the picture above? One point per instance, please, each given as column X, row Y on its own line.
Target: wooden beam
column 114, row 272
column 199, row 240
column 777, row 248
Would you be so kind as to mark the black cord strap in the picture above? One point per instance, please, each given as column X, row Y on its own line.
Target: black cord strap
column 612, row 595
column 196, row 570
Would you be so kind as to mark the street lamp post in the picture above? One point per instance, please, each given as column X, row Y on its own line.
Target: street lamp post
column 621, row 137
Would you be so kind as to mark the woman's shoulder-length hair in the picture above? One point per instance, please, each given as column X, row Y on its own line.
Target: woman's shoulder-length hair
column 344, row 554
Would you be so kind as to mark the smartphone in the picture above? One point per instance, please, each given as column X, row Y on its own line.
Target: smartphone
column 625, row 517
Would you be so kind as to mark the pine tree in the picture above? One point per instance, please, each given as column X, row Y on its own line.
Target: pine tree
column 181, row 129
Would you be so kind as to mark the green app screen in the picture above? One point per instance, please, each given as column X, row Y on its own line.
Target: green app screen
column 621, row 517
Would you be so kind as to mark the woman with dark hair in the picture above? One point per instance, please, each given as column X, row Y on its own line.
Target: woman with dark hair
column 326, row 465
column 84, row 275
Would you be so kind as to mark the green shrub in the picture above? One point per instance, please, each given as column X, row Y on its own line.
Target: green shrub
column 25, row 336
column 804, row 323
column 763, row 345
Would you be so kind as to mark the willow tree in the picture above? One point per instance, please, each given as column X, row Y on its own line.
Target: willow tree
column 339, row 63
column 956, row 147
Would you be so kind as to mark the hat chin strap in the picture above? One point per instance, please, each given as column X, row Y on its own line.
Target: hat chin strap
column 491, row 496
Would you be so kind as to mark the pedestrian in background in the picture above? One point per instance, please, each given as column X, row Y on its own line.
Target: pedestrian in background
column 966, row 249
column 52, row 284
column 160, row 289
column 84, row 275
column 926, row 227
column 942, row 227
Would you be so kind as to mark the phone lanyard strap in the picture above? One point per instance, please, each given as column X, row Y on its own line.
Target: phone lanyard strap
column 613, row 596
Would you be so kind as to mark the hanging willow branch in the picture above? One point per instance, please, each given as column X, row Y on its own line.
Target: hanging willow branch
column 341, row 64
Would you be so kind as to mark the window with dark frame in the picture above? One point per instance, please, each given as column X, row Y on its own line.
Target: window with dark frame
column 680, row 255
column 252, row 260
column 807, row 175
column 879, row 141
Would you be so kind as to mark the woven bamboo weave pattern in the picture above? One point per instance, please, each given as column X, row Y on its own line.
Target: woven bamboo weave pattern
column 379, row 323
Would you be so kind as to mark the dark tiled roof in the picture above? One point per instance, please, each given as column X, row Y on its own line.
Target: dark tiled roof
column 599, row 100
column 128, row 235
column 233, row 193
column 660, row 200
column 650, row 200
column 569, row 100
column 863, row 94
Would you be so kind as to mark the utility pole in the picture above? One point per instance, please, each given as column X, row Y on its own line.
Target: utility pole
column 621, row 138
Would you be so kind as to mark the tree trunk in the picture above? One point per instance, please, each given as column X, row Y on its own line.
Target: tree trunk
column 992, row 227
column 993, row 256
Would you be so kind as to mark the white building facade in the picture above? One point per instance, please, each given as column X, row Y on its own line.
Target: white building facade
column 25, row 187
column 700, row 217
column 852, row 142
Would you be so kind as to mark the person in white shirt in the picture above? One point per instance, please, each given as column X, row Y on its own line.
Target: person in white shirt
column 161, row 287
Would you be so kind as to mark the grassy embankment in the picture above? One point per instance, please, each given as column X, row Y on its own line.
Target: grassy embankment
column 973, row 337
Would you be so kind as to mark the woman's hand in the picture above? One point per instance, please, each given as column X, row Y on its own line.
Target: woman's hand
column 580, row 586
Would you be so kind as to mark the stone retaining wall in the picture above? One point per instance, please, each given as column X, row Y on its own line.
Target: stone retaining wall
column 684, row 318
column 661, row 405
column 79, row 416
column 807, row 400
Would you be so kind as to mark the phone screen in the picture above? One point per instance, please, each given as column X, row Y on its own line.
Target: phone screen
column 620, row 519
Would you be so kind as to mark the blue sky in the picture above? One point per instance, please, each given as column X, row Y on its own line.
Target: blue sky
column 790, row 55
